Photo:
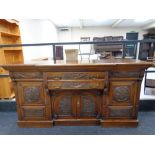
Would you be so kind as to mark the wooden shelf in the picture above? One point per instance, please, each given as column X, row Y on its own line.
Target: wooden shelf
column 12, row 49
column 9, row 34
column 6, row 34
column 13, row 57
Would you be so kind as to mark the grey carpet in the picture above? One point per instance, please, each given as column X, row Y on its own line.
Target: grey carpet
column 8, row 126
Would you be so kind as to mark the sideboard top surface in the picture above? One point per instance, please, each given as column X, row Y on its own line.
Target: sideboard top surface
column 107, row 64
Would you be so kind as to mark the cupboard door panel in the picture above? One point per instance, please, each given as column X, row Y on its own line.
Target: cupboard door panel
column 88, row 104
column 31, row 93
column 122, row 93
column 63, row 104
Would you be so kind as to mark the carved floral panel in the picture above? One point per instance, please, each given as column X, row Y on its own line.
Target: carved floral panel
column 26, row 75
column 77, row 75
column 126, row 112
column 77, row 85
column 65, row 107
column 88, row 106
column 121, row 93
column 124, row 74
column 32, row 94
column 29, row 113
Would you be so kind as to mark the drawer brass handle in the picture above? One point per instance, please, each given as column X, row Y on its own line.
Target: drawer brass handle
column 94, row 86
column 77, row 86
column 78, row 103
column 57, row 87
column 57, row 78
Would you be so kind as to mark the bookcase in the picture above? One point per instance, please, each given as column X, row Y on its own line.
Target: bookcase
column 9, row 34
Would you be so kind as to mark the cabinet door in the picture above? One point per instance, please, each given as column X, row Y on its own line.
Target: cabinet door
column 63, row 104
column 31, row 101
column 122, row 93
column 122, row 101
column 30, row 93
column 88, row 104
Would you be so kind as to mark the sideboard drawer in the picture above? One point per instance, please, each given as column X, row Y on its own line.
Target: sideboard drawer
column 75, row 75
column 76, row 84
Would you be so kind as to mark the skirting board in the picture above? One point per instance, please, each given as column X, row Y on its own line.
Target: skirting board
column 35, row 124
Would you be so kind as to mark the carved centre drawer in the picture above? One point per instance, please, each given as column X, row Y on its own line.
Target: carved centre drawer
column 76, row 80
column 76, row 75
column 76, row 84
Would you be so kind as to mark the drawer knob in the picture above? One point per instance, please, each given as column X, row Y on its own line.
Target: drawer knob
column 57, row 87
column 94, row 86
column 78, row 103
column 57, row 78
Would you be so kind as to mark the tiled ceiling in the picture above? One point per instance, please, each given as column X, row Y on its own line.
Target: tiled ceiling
column 143, row 23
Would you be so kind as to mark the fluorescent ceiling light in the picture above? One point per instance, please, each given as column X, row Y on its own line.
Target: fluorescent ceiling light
column 141, row 20
column 100, row 19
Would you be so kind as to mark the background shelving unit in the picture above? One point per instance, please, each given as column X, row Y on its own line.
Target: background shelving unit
column 9, row 34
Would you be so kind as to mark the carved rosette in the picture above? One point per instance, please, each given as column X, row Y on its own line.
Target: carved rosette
column 31, row 94
column 121, row 93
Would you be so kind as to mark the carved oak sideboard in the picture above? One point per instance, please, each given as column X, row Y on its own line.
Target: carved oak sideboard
column 102, row 93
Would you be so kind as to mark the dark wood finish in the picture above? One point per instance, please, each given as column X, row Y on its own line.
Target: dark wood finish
column 102, row 92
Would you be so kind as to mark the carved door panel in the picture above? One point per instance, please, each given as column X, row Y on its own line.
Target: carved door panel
column 63, row 104
column 122, row 99
column 33, row 113
column 30, row 100
column 117, row 112
column 30, row 93
column 122, row 93
column 88, row 104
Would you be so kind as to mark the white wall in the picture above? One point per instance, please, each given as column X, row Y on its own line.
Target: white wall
column 37, row 31
column 75, row 33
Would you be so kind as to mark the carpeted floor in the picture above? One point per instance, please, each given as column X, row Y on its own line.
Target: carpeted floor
column 8, row 126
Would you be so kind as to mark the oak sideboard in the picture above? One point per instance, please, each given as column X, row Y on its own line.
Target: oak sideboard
column 98, row 92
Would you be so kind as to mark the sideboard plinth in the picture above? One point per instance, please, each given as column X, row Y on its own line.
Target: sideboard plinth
column 35, row 124
column 76, row 122
column 119, row 123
